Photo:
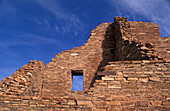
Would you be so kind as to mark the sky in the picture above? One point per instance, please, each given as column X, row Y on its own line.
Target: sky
column 38, row 29
column 77, row 83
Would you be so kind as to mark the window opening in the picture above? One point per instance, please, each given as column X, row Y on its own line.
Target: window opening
column 112, row 51
column 77, row 80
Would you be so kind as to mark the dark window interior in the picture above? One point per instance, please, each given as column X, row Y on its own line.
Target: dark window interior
column 112, row 51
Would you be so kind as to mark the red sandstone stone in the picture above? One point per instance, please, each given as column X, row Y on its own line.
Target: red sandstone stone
column 132, row 79
column 156, row 103
column 128, row 103
column 168, row 60
column 136, row 61
column 115, row 103
column 154, row 78
column 128, row 62
column 117, row 62
column 26, row 97
column 157, row 61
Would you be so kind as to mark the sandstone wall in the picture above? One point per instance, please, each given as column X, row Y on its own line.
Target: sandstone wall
column 95, row 53
column 139, row 41
column 148, row 34
column 25, row 81
column 127, row 40
column 134, row 85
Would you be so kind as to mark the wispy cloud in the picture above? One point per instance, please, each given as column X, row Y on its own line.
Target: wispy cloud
column 155, row 10
column 69, row 22
column 27, row 39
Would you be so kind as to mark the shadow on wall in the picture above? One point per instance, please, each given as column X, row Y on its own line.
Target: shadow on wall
column 108, row 45
column 118, row 45
column 117, row 49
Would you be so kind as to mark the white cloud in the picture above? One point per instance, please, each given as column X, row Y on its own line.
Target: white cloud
column 155, row 10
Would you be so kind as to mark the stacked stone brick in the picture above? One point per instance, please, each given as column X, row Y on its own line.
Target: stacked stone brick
column 24, row 81
column 88, row 58
column 125, row 65
column 139, row 41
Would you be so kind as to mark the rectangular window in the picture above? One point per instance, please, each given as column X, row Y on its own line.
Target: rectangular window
column 77, row 80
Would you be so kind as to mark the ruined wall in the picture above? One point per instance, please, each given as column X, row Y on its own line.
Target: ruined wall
column 136, row 79
column 139, row 41
column 127, row 40
column 25, row 81
column 148, row 34
column 57, row 78
column 135, row 85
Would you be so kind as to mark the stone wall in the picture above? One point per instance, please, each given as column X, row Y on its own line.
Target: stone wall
column 133, row 85
column 127, row 40
column 95, row 53
column 139, row 41
column 25, row 81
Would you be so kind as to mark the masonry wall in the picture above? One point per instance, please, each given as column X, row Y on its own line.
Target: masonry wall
column 149, row 35
column 128, row 40
column 134, row 85
column 95, row 53
column 139, row 41
column 25, row 81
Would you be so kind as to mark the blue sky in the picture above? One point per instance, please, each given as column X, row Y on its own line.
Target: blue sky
column 38, row 29
column 77, row 83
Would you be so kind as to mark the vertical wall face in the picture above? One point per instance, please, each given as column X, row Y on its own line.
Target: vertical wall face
column 148, row 34
column 139, row 41
column 95, row 53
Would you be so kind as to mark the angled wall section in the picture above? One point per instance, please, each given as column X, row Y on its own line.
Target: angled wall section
column 25, row 81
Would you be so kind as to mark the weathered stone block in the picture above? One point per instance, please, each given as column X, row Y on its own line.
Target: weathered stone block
column 82, row 102
column 142, row 103
column 108, row 78
column 99, row 109
column 71, row 102
column 154, row 79
column 136, row 61
column 143, row 79
column 26, row 97
column 144, row 75
column 146, row 61
column 128, row 103
column 120, row 79
column 113, row 103
column 103, row 83
column 114, row 86
column 156, row 103
column 132, row 79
